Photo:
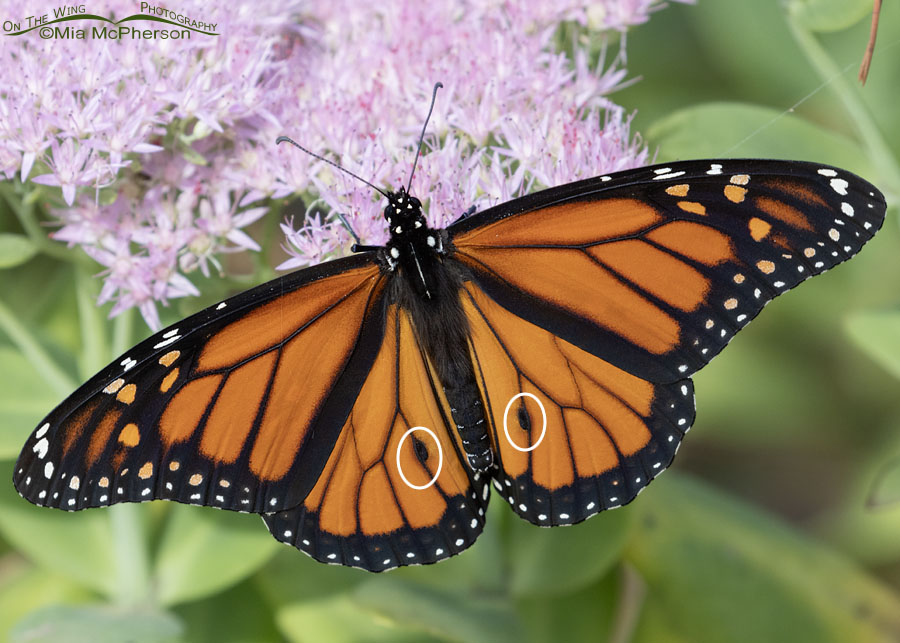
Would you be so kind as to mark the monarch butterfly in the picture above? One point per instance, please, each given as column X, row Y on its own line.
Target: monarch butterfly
column 363, row 406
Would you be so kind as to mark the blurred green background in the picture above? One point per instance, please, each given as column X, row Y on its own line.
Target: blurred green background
column 779, row 520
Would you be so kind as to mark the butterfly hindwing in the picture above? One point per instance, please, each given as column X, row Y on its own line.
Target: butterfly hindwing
column 573, row 435
column 656, row 269
column 216, row 410
column 378, row 503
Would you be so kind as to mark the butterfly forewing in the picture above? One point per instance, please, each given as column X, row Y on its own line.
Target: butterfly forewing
column 217, row 409
column 656, row 269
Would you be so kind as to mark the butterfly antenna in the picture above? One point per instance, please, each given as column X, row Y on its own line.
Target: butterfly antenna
column 282, row 139
column 346, row 224
column 437, row 86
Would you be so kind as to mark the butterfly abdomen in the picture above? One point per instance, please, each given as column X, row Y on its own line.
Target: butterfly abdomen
column 469, row 418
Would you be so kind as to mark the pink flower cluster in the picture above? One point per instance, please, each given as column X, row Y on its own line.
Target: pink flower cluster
column 163, row 151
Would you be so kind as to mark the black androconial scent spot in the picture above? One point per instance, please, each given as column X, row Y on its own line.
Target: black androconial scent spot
column 421, row 449
column 524, row 418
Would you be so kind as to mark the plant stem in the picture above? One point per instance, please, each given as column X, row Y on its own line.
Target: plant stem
column 23, row 208
column 628, row 610
column 130, row 555
column 55, row 376
column 871, row 137
column 94, row 349
column 123, row 327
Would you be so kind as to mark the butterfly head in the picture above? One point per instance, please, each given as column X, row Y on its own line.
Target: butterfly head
column 403, row 212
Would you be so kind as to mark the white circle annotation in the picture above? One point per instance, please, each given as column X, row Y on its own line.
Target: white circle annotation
column 506, row 427
column 440, row 458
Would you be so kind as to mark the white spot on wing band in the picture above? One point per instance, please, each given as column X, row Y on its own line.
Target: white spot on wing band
column 41, row 448
column 671, row 175
column 166, row 342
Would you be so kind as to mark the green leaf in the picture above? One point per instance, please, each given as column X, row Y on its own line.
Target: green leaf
column 452, row 616
column 552, row 561
column 292, row 577
column 885, row 490
column 189, row 153
column 865, row 520
column 97, row 624
column 237, row 615
column 743, row 130
column 338, row 619
column 484, row 565
column 878, row 335
column 714, row 51
column 654, row 625
column 204, row 550
column 828, row 15
column 76, row 545
column 24, row 400
column 26, row 588
column 584, row 615
column 15, row 249
column 722, row 571
column 109, row 195
column 759, row 394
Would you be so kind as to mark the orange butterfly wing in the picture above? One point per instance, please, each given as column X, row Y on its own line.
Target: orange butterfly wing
column 658, row 273
column 588, row 437
column 221, row 413
column 601, row 298
column 379, row 503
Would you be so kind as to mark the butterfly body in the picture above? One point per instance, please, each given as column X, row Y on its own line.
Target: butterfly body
column 544, row 346
column 426, row 282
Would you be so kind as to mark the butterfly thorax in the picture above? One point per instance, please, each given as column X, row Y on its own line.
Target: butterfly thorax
column 413, row 246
